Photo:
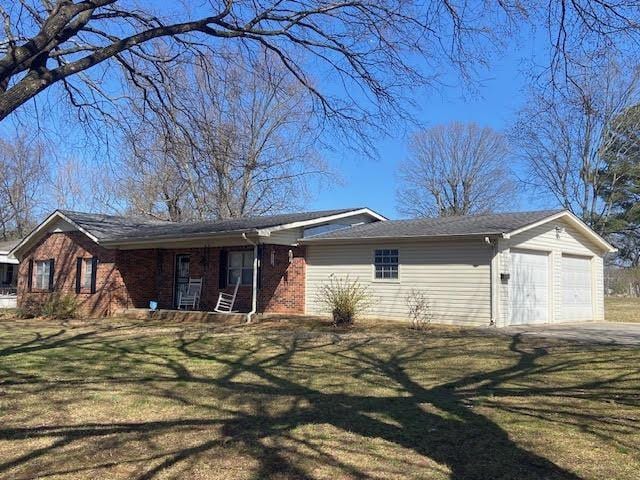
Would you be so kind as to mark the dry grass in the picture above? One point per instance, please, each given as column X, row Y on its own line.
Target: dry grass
column 622, row 309
column 115, row 399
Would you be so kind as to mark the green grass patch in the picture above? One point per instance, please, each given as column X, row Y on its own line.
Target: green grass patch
column 622, row 309
column 299, row 399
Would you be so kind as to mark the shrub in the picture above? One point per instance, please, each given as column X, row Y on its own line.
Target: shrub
column 59, row 307
column 29, row 308
column 345, row 299
column 420, row 311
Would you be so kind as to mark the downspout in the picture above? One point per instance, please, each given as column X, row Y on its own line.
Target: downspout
column 254, row 283
column 493, row 284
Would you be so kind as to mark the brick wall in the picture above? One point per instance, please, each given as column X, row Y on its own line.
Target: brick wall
column 132, row 278
column 65, row 248
column 149, row 275
column 283, row 282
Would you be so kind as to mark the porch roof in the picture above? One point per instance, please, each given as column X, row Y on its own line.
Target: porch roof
column 111, row 228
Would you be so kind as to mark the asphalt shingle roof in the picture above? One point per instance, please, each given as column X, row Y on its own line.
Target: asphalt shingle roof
column 112, row 227
column 489, row 224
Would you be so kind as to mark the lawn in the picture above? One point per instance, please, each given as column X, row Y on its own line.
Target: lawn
column 622, row 309
column 285, row 400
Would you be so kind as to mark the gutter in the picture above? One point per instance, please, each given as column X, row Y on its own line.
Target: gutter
column 127, row 241
column 456, row 236
column 254, row 283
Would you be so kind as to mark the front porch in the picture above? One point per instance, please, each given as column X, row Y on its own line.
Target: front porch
column 160, row 274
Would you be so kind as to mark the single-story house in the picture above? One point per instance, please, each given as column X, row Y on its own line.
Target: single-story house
column 8, row 274
column 495, row 269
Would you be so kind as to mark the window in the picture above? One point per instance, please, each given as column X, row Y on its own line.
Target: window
column 386, row 264
column 240, row 266
column 42, row 272
column 6, row 275
column 87, row 272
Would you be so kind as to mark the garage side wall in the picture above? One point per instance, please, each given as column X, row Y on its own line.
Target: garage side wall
column 454, row 275
column 557, row 237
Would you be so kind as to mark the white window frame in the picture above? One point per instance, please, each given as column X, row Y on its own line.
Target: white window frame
column 41, row 273
column 87, row 273
column 382, row 264
column 247, row 256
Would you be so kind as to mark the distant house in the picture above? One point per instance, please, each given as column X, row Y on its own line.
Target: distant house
column 500, row 269
column 8, row 275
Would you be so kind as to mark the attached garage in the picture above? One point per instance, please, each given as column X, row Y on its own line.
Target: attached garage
column 499, row 269
column 577, row 286
column 529, row 287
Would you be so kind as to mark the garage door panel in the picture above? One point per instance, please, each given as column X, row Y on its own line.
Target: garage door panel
column 577, row 295
column 529, row 287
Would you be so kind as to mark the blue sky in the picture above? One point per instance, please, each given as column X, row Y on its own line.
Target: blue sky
column 498, row 93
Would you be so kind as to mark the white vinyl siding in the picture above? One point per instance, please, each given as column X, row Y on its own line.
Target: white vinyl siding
column 455, row 276
column 566, row 241
column 290, row 236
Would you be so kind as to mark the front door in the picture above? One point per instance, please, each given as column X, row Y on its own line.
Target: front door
column 181, row 280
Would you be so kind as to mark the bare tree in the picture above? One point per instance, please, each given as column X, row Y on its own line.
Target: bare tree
column 235, row 142
column 23, row 177
column 455, row 169
column 69, row 185
column 563, row 136
column 367, row 46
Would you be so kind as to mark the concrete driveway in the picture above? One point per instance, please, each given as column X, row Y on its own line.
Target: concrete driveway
column 590, row 333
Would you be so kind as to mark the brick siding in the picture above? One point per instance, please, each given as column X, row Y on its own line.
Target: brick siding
column 65, row 248
column 283, row 283
column 132, row 278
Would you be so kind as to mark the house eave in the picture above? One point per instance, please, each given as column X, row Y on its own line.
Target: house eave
column 170, row 240
column 388, row 238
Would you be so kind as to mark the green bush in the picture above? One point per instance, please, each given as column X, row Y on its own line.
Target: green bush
column 345, row 299
column 60, row 307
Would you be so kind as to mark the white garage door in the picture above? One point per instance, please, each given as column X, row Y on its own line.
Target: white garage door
column 529, row 287
column 577, row 303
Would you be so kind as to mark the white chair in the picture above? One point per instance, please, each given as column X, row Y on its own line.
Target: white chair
column 190, row 299
column 227, row 300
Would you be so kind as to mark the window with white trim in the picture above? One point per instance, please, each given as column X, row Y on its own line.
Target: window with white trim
column 41, row 274
column 386, row 264
column 87, row 272
column 240, row 265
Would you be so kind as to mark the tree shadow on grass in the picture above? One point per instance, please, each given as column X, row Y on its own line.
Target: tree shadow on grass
column 439, row 423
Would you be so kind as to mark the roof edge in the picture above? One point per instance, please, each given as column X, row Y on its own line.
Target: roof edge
column 326, row 218
column 168, row 238
column 403, row 237
column 592, row 234
column 57, row 214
